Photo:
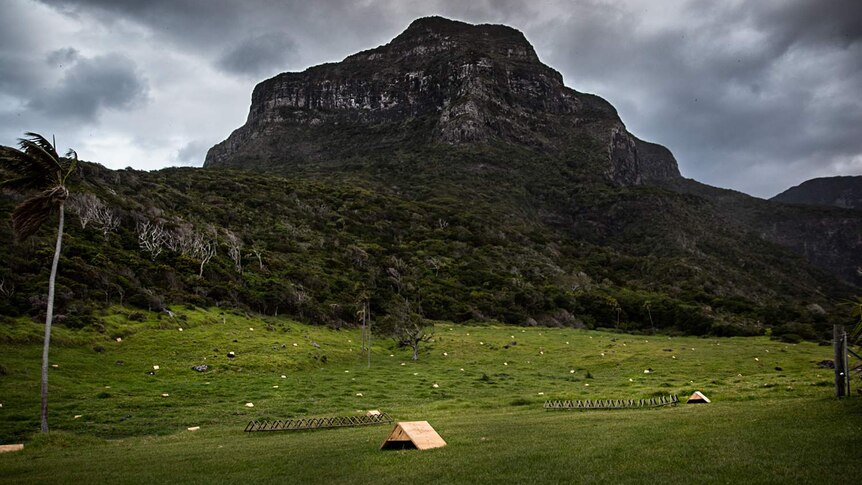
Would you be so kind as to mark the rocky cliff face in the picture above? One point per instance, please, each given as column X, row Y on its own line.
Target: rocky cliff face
column 845, row 192
column 439, row 82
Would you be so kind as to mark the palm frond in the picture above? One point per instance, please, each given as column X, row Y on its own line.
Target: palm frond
column 45, row 159
column 41, row 142
column 29, row 216
column 26, row 175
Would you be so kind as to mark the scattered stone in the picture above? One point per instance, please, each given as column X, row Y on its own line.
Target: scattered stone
column 99, row 349
column 180, row 329
column 315, row 345
column 284, row 377
column 541, row 393
column 667, row 350
column 120, row 362
column 194, row 428
column 151, row 372
column 572, row 371
column 347, row 372
column 155, row 367
column 462, row 369
column 373, row 412
column 200, row 368
column 56, row 366
column 235, row 341
column 164, row 394
column 435, row 386
column 231, row 355
column 403, row 363
column 779, row 369
column 250, row 329
column 445, row 354
column 358, row 394
column 275, row 387
column 119, row 339
column 648, row 371
column 505, row 363
column 756, row 359
column 249, row 405
column 78, row 416
column 296, row 345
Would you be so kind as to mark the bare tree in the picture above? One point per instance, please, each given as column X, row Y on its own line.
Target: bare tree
column 6, row 290
column 152, row 237
column 234, row 249
column 91, row 209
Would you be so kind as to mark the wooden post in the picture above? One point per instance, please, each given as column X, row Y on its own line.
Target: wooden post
column 368, row 314
column 838, row 342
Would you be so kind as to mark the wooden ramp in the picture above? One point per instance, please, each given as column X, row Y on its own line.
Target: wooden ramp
column 412, row 435
column 698, row 398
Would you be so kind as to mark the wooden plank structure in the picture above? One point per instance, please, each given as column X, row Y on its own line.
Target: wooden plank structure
column 318, row 423
column 412, row 435
column 613, row 403
column 697, row 398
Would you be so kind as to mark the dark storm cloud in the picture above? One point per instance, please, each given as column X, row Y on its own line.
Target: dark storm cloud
column 90, row 85
column 260, row 55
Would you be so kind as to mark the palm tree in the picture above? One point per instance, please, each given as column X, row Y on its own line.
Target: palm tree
column 36, row 167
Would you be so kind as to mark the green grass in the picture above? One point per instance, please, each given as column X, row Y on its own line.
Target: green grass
column 764, row 425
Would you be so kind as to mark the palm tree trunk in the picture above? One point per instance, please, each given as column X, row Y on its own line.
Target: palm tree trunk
column 49, row 318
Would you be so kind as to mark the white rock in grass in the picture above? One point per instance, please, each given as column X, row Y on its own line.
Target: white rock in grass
column 180, row 329
column 78, row 416
column 155, row 367
column 249, row 405
column 347, row 372
column 481, row 343
column 56, row 366
column 284, row 377
column 250, row 329
column 647, row 371
column 415, row 373
column 445, row 354
column 673, row 357
column 119, row 339
column 586, row 385
column 631, row 380
column 435, row 386
column 462, row 369
column 505, row 363
column 164, row 394
column 359, row 394
column 541, row 352
column 541, row 393
column 572, row 371
column 603, row 354
column 296, row 345
column 275, row 387
column 391, row 355
column 194, row 428
column 756, row 359
column 403, row 363
column 567, row 343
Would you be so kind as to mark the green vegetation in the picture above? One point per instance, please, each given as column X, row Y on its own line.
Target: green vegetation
column 473, row 236
column 772, row 416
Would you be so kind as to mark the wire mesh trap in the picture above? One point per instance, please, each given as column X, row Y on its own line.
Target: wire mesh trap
column 614, row 403
column 317, row 423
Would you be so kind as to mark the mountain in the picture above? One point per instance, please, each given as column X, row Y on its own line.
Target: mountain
column 441, row 82
column 450, row 167
column 845, row 192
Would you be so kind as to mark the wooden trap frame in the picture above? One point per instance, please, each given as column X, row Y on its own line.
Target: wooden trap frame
column 614, row 403
column 317, row 423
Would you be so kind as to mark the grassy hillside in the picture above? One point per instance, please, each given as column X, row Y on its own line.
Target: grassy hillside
column 764, row 423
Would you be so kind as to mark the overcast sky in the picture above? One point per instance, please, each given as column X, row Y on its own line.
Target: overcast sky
column 751, row 95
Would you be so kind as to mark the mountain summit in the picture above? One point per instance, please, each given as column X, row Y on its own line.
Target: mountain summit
column 438, row 82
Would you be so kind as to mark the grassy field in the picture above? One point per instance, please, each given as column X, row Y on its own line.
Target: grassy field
column 772, row 418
